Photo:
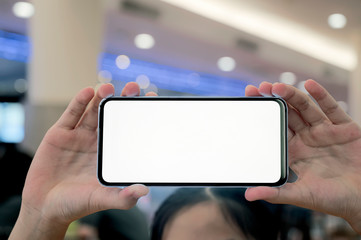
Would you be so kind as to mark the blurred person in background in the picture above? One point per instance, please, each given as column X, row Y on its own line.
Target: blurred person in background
column 114, row 224
column 324, row 152
column 214, row 213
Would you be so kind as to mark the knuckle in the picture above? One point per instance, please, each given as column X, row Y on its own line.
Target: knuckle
column 303, row 104
column 331, row 109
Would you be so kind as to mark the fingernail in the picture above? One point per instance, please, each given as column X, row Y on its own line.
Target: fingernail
column 266, row 95
column 139, row 190
column 137, row 195
column 276, row 95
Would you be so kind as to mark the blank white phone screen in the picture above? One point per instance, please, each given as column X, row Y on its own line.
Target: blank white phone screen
column 191, row 142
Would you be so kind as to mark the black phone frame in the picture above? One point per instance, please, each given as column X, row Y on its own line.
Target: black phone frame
column 284, row 146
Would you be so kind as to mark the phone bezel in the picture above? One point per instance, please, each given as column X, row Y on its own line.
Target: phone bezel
column 284, row 145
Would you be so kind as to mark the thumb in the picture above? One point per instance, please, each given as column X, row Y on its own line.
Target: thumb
column 283, row 195
column 118, row 198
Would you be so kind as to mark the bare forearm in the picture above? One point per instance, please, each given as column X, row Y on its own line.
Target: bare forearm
column 31, row 225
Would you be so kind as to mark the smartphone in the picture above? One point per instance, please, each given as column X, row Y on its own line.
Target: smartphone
column 192, row 141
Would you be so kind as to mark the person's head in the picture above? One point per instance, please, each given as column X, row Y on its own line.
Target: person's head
column 213, row 213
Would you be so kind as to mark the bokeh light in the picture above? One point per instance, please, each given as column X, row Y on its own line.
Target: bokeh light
column 144, row 41
column 23, row 9
column 337, row 21
column 105, row 76
column 226, row 64
column 151, row 88
column 143, row 81
column 288, row 78
column 21, row 85
column 122, row 62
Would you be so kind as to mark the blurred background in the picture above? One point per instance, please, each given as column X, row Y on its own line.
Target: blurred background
column 49, row 50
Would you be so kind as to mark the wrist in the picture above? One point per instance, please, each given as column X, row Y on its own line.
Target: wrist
column 32, row 224
column 353, row 213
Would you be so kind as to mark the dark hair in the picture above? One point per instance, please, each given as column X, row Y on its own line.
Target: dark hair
column 255, row 219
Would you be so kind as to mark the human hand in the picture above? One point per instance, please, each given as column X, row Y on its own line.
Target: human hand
column 324, row 146
column 61, row 184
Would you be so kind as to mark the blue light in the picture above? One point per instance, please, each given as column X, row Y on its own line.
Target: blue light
column 16, row 47
column 11, row 122
column 175, row 79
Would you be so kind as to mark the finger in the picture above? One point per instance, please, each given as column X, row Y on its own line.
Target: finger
column 76, row 108
column 115, row 198
column 131, row 89
column 327, row 103
column 279, row 195
column 90, row 118
column 151, row 94
column 251, row 91
column 135, row 190
column 290, row 134
column 295, row 121
column 308, row 110
column 261, row 193
column 265, row 88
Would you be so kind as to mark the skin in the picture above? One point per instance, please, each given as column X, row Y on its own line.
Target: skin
column 202, row 221
column 324, row 151
column 61, row 185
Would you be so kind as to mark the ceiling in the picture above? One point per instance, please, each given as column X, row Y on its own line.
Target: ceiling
column 313, row 14
column 187, row 40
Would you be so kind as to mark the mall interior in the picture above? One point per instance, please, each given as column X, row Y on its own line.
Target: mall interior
column 49, row 50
